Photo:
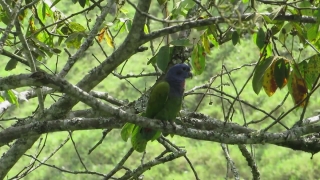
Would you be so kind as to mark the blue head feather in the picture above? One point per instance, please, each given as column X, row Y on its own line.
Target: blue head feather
column 176, row 77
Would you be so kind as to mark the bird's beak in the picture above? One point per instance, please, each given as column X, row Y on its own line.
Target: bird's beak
column 190, row 75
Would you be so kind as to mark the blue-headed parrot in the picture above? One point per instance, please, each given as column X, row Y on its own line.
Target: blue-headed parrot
column 164, row 103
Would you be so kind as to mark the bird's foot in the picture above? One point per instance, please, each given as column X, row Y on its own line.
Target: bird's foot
column 173, row 125
column 164, row 124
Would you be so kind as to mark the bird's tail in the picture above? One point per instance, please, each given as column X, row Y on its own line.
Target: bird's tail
column 141, row 136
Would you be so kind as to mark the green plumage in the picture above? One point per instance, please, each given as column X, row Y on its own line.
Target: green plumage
column 164, row 104
column 160, row 106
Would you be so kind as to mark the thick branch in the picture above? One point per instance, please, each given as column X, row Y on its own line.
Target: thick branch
column 293, row 136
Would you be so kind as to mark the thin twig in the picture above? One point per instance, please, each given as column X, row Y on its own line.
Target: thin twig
column 31, row 63
column 76, row 149
column 119, row 165
column 104, row 134
column 229, row 160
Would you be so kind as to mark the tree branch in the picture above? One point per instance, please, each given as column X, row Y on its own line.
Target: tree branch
column 251, row 162
column 291, row 138
column 286, row 138
column 219, row 19
column 31, row 63
column 87, row 43
column 142, row 168
column 13, row 17
column 230, row 161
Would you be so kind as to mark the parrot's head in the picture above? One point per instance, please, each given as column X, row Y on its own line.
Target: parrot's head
column 176, row 77
column 179, row 72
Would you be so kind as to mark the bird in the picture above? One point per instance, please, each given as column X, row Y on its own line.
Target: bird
column 164, row 104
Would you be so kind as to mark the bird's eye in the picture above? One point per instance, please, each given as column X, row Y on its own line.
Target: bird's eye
column 184, row 68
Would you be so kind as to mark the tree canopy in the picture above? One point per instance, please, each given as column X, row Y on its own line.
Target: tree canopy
column 90, row 65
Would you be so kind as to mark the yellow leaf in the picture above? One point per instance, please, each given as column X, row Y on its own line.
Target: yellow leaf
column 32, row 25
column 268, row 81
column 145, row 29
column 299, row 90
column 205, row 42
column 109, row 39
column 101, row 34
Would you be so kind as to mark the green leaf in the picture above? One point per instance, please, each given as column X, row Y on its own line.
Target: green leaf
column 198, row 58
column 11, row 64
column 305, row 5
column 181, row 42
column 54, row 3
column 76, row 27
column 46, row 47
column 182, row 8
column 44, row 38
column 213, row 40
column 212, row 30
column 74, row 40
column 153, row 60
column 276, row 28
column 3, row 16
column 312, row 31
column 310, row 70
column 43, row 10
column 268, row 50
column 316, row 13
column 281, row 72
column 12, row 97
column 235, row 38
column 126, row 131
column 120, row 25
column 259, row 38
column 82, row 3
column 124, row 11
column 267, row 19
column 2, row 98
column 284, row 32
column 259, row 72
column 164, row 57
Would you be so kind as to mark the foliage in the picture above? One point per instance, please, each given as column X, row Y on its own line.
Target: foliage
column 117, row 50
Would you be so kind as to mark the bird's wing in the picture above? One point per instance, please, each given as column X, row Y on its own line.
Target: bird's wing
column 157, row 99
